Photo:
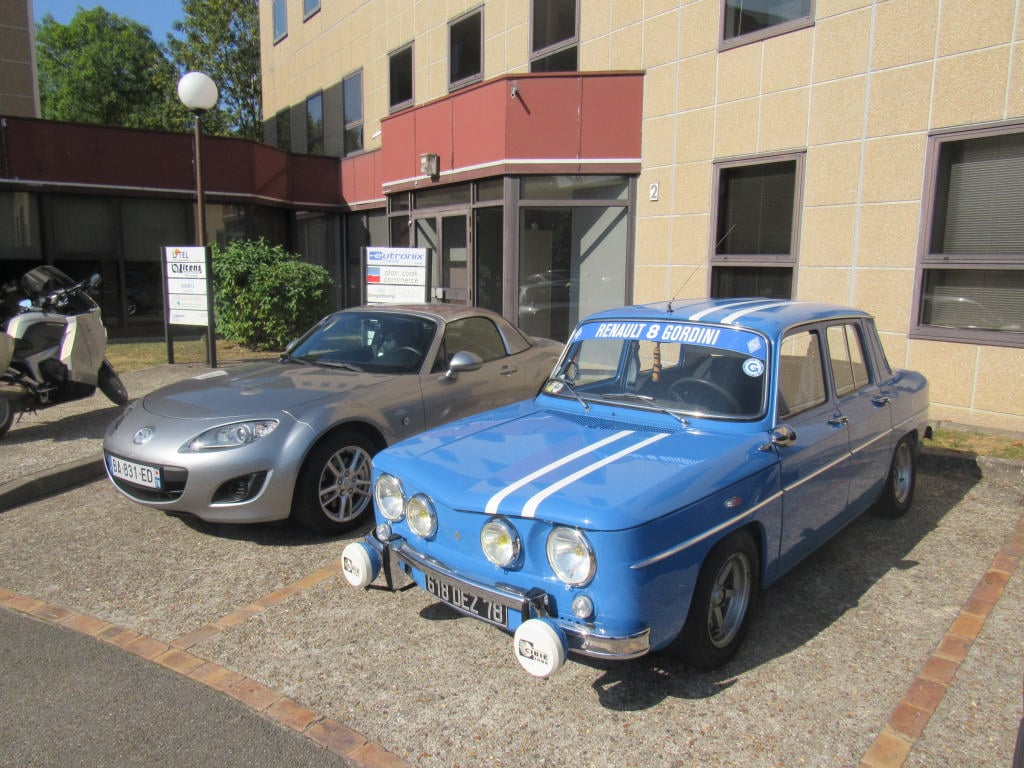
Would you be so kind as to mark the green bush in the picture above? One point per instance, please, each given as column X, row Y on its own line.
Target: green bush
column 264, row 296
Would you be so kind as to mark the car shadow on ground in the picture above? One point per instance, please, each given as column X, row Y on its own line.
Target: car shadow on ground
column 282, row 533
column 798, row 607
column 89, row 425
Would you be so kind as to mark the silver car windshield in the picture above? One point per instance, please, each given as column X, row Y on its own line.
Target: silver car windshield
column 692, row 369
column 375, row 342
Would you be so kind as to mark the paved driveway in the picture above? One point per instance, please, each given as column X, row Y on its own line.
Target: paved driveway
column 898, row 643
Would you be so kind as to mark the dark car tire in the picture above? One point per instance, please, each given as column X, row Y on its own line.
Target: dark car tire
column 110, row 384
column 723, row 601
column 333, row 493
column 6, row 416
column 898, row 492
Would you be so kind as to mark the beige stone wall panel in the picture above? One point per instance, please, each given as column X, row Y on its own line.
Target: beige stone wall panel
column 888, row 235
column 824, row 284
column 969, row 25
column 739, row 73
column 904, row 32
column 894, row 169
column 832, row 174
column 661, row 39
column 696, row 83
column 885, row 293
column 900, row 100
column 627, row 48
column 950, row 369
column 626, row 12
column 971, row 88
column 787, row 61
column 700, row 22
column 595, row 54
column 691, row 188
column 784, row 120
column 689, row 240
column 736, row 128
column 837, row 109
column 659, row 141
column 827, row 236
column 653, row 238
column 1000, row 380
column 1015, row 95
column 823, row 9
column 841, row 46
column 695, row 135
column 660, row 90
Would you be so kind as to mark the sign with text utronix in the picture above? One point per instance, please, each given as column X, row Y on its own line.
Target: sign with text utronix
column 396, row 275
column 188, row 285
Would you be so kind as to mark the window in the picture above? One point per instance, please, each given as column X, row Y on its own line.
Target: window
column 352, row 99
column 755, row 228
column 315, row 124
column 473, row 334
column 465, row 50
column 555, row 40
column 972, row 270
column 283, row 124
column 849, row 371
column 801, row 380
column 309, row 7
column 744, row 21
column 400, row 79
column 280, row 19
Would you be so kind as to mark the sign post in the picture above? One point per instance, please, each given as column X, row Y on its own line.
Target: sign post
column 396, row 275
column 189, row 294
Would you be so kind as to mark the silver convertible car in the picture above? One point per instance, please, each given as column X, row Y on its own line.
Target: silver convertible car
column 295, row 437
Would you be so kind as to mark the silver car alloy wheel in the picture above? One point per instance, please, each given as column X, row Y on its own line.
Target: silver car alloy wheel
column 730, row 595
column 903, row 472
column 344, row 488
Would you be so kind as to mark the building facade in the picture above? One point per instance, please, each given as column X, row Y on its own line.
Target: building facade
column 865, row 152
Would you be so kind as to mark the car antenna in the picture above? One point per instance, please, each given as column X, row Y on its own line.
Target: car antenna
column 680, row 290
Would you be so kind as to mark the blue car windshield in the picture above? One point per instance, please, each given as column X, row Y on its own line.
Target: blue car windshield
column 375, row 342
column 693, row 369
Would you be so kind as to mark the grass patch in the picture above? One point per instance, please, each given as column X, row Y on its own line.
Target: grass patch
column 978, row 443
column 134, row 356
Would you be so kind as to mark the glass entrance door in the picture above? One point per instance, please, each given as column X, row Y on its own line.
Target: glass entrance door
column 446, row 238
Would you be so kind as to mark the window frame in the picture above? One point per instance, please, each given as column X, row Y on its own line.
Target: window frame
column 311, row 138
column 538, row 56
column 478, row 76
column 350, row 125
column 398, row 106
column 790, row 260
column 928, row 261
column 782, row 28
column 279, row 8
column 310, row 8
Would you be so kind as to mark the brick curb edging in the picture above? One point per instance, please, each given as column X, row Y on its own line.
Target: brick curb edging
column 176, row 656
column 924, row 695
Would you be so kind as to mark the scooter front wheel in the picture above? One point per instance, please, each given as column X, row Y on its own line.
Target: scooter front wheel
column 110, row 384
column 6, row 416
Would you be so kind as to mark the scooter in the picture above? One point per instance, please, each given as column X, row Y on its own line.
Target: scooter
column 53, row 345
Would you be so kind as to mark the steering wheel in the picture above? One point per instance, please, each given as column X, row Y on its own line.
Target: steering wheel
column 680, row 390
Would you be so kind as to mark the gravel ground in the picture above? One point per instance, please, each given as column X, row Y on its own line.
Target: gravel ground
column 832, row 650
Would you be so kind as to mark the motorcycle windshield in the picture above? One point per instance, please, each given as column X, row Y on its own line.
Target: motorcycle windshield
column 45, row 279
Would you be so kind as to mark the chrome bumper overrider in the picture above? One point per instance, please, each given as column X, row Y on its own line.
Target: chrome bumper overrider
column 397, row 558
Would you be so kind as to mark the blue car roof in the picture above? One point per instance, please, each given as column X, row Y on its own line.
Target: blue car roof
column 769, row 316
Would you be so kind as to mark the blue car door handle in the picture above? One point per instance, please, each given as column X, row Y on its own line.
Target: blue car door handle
column 839, row 420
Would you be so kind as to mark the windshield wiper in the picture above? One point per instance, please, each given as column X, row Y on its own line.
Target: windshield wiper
column 572, row 390
column 286, row 358
column 338, row 364
column 648, row 400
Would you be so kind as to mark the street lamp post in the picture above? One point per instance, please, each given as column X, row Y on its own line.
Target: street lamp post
column 198, row 92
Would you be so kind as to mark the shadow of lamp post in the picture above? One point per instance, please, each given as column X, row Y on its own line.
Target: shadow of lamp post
column 198, row 92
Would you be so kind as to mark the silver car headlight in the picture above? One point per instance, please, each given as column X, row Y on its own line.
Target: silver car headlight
column 500, row 542
column 390, row 498
column 571, row 557
column 419, row 514
column 232, row 435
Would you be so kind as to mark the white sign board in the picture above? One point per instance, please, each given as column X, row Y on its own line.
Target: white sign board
column 396, row 275
column 188, row 286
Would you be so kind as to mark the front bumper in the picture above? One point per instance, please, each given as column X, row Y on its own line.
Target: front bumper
column 399, row 561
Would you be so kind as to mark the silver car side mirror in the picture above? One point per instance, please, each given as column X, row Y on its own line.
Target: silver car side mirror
column 462, row 361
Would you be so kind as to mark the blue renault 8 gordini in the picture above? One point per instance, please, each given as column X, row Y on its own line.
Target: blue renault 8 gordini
column 682, row 456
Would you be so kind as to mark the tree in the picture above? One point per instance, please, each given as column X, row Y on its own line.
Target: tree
column 221, row 38
column 106, row 69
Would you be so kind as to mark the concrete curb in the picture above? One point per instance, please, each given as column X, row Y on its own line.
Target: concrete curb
column 49, row 482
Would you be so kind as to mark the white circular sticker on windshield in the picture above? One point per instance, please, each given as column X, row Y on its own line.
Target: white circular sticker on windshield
column 753, row 367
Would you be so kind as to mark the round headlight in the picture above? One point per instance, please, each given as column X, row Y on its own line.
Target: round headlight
column 500, row 542
column 419, row 514
column 387, row 492
column 570, row 556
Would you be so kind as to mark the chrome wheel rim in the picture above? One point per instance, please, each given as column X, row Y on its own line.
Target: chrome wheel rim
column 344, row 490
column 902, row 473
column 730, row 596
